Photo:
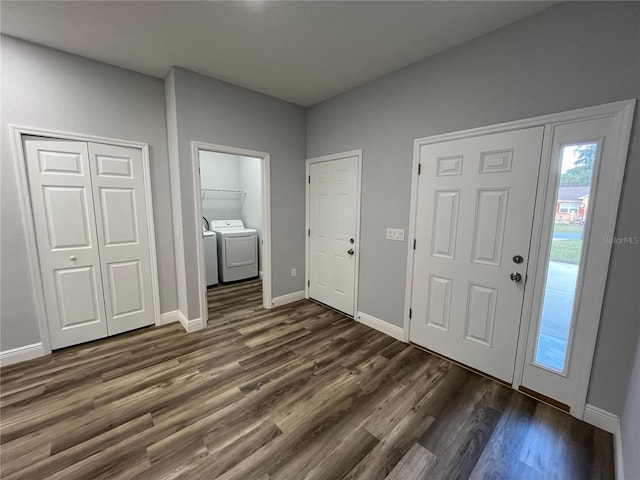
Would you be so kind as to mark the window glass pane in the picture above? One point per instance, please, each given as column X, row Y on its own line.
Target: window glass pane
column 572, row 208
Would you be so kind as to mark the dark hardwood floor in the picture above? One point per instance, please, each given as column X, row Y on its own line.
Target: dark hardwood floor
column 297, row 392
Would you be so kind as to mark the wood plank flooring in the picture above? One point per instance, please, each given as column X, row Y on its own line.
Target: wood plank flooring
column 297, row 392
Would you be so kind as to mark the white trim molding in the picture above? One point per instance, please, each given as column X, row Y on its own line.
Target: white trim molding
column 265, row 167
column 21, row 354
column 609, row 422
column 385, row 327
column 168, row 317
column 189, row 326
column 288, row 298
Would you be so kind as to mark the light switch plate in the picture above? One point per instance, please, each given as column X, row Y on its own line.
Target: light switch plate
column 396, row 234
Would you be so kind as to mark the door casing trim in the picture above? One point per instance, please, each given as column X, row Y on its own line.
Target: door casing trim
column 16, row 132
column 622, row 111
column 328, row 158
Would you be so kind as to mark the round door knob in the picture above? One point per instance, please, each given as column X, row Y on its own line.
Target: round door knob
column 72, row 257
column 351, row 251
column 515, row 277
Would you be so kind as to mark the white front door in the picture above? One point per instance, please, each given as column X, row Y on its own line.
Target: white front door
column 63, row 215
column 123, row 236
column 333, row 208
column 474, row 217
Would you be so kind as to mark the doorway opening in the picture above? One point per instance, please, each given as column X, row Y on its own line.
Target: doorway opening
column 232, row 205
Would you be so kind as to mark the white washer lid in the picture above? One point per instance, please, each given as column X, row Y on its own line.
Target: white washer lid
column 224, row 224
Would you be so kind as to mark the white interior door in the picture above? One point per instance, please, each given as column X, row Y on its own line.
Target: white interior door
column 63, row 214
column 474, row 216
column 123, row 236
column 333, row 208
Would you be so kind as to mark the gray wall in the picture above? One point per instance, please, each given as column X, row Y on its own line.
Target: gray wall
column 630, row 422
column 570, row 56
column 213, row 111
column 50, row 89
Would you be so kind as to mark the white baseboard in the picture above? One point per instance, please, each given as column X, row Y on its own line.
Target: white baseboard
column 189, row 325
column 609, row 422
column 168, row 317
column 288, row 298
column 382, row 326
column 21, row 354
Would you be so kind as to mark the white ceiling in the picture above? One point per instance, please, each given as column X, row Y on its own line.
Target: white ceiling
column 303, row 52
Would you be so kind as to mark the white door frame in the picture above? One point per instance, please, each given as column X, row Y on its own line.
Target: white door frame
column 16, row 132
column 265, row 173
column 622, row 112
column 307, row 260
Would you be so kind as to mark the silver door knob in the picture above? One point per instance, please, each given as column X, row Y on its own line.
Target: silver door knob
column 515, row 277
column 72, row 258
column 351, row 251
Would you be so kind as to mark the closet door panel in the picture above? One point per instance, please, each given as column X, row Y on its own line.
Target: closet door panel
column 68, row 253
column 123, row 236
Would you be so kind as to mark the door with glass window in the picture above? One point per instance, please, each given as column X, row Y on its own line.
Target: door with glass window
column 513, row 234
column 560, row 345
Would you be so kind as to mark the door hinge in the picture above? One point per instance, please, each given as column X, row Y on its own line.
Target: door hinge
column 309, row 233
column 308, row 283
column 414, row 243
column 419, row 168
column 309, row 178
column 410, row 312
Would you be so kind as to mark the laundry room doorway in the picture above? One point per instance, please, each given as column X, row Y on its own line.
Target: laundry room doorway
column 232, row 202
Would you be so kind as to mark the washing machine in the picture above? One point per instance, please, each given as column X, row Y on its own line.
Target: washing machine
column 237, row 250
column 210, row 244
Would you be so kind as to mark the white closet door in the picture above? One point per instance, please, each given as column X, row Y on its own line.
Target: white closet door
column 63, row 214
column 123, row 236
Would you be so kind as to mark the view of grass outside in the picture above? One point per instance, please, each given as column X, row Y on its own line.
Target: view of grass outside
column 565, row 251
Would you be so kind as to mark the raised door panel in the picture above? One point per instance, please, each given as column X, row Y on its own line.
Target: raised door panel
column 120, row 222
column 127, row 294
column 67, row 213
column 77, row 295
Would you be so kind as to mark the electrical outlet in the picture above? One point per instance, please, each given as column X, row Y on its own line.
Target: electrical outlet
column 293, row 272
column 396, row 234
